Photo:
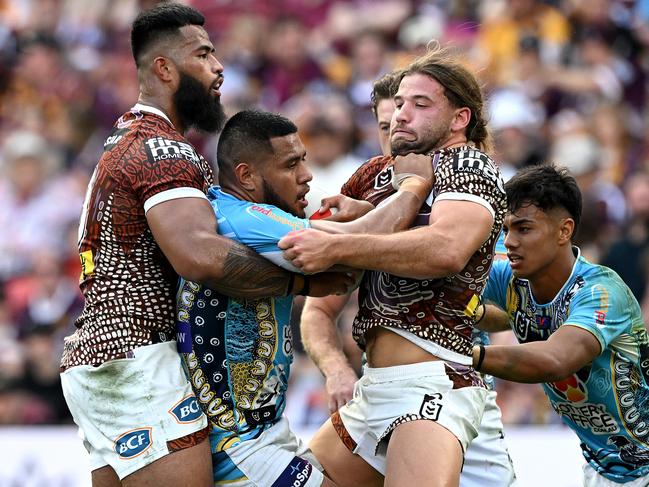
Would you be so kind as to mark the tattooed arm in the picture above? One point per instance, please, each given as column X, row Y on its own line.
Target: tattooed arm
column 185, row 231
column 201, row 255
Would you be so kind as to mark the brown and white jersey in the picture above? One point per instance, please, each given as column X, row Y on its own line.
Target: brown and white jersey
column 128, row 284
column 435, row 312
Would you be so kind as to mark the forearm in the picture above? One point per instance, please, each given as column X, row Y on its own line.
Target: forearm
column 419, row 253
column 320, row 335
column 242, row 273
column 528, row 363
column 397, row 215
column 495, row 319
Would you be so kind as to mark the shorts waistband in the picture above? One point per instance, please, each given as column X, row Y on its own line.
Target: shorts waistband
column 437, row 367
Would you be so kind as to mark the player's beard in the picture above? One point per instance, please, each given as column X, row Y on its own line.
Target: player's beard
column 272, row 198
column 430, row 142
column 197, row 107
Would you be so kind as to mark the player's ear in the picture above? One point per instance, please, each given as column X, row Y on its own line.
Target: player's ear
column 246, row 177
column 165, row 69
column 461, row 119
column 566, row 229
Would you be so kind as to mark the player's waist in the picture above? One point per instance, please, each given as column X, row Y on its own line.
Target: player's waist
column 387, row 347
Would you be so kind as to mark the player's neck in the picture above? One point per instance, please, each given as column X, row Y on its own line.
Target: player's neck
column 166, row 108
column 238, row 192
column 549, row 281
column 456, row 139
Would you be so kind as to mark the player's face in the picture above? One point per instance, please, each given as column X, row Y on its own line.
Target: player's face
column 197, row 98
column 422, row 119
column 285, row 176
column 384, row 111
column 532, row 241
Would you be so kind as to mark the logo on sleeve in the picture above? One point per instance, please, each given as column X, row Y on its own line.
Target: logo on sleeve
column 384, row 178
column 160, row 149
column 133, row 443
column 430, row 407
column 187, row 410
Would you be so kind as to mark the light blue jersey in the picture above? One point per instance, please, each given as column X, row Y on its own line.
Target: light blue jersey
column 607, row 402
column 239, row 352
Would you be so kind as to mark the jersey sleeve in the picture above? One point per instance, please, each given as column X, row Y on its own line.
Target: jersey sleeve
column 495, row 291
column 470, row 175
column 169, row 169
column 363, row 178
column 603, row 309
column 261, row 227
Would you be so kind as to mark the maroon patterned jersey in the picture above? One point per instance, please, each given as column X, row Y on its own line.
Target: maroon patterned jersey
column 128, row 284
column 439, row 310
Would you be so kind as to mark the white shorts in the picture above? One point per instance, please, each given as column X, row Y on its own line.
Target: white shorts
column 277, row 457
column 593, row 479
column 487, row 462
column 128, row 409
column 386, row 397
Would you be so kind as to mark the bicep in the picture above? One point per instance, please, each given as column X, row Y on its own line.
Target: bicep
column 182, row 228
column 330, row 306
column 466, row 224
column 574, row 347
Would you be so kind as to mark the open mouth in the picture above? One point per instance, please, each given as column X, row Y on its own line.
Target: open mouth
column 514, row 260
column 216, row 86
column 301, row 197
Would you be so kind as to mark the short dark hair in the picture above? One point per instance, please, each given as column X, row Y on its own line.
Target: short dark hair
column 158, row 22
column 384, row 88
column 546, row 186
column 460, row 87
column 246, row 136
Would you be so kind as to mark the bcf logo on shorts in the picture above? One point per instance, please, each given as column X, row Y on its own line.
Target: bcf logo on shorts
column 187, row 410
column 431, row 407
column 133, row 443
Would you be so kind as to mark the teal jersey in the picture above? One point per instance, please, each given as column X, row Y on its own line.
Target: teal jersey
column 606, row 402
column 238, row 352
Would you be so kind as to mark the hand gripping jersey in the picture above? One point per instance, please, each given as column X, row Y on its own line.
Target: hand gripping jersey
column 239, row 352
column 128, row 284
column 607, row 402
column 435, row 312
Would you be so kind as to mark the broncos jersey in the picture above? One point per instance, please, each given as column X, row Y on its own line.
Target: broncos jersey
column 607, row 402
column 238, row 352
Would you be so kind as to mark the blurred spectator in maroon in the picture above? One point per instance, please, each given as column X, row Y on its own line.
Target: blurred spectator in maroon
column 36, row 204
column 288, row 66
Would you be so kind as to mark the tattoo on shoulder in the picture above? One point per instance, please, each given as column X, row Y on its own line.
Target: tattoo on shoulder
column 248, row 275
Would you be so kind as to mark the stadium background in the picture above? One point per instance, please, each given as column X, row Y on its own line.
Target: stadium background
column 567, row 82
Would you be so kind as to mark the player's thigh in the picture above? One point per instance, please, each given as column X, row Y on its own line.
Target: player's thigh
column 105, row 477
column 339, row 463
column 425, row 454
column 189, row 467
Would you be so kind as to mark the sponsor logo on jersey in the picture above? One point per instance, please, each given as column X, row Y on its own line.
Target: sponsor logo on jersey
column 257, row 210
column 133, row 443
column 295, row 475
column 476, row 162
column 113, row 139
column 431, row 407
column 593, row 417
column 160, row 149
column 87, row 264
column 187, row 410
column 572, row 388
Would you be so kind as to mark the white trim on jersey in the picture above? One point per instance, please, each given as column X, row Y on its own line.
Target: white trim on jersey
column 462, row 197
column 141, row 107
column 431, row 347
column 278, row 259
column 172, row 194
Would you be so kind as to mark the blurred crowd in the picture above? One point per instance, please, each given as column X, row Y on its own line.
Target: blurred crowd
column 566, row 80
